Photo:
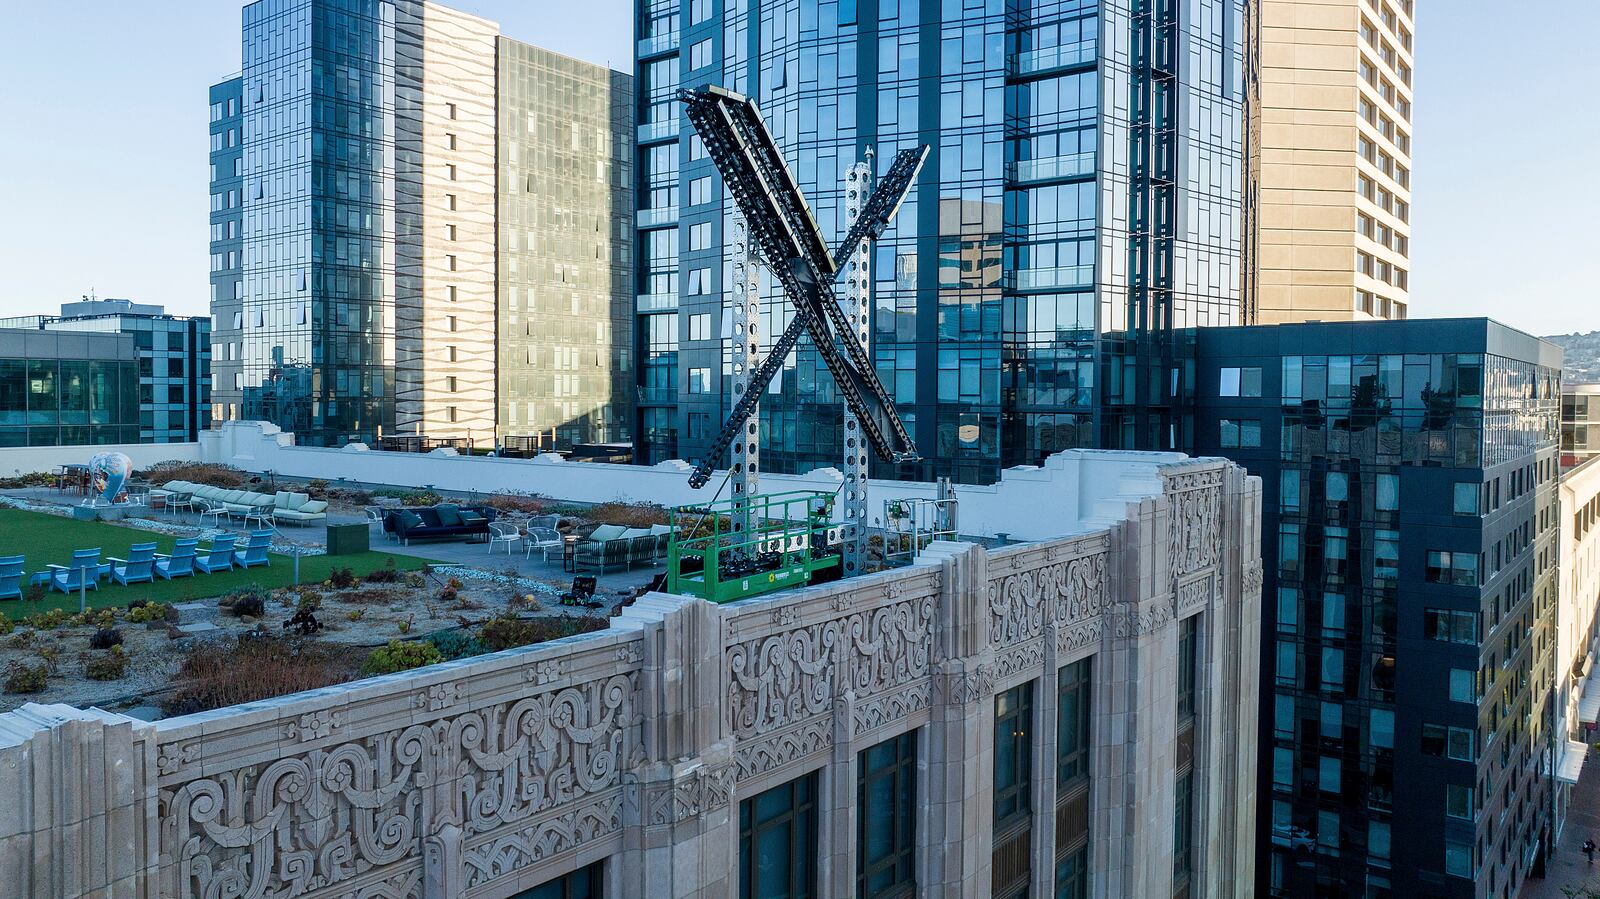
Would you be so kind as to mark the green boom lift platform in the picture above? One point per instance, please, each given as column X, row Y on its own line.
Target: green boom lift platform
column 738, row 548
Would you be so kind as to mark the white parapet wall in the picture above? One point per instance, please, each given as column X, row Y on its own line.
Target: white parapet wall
column 1073, row 491
column 633, row 747
column 21, row 460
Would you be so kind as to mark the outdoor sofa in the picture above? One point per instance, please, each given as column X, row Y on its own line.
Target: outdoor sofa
column 444, row 521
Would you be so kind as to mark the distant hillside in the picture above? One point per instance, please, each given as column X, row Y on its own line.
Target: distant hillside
column 1582, row 357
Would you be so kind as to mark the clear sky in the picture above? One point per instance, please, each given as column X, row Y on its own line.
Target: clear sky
column 103, row 169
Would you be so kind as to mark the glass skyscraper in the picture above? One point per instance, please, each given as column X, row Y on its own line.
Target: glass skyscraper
column 1081, row 202
column 1409, row 539
column 362, row 231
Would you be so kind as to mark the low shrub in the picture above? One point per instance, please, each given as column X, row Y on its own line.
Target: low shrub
column 249, row 601
column 105, row 638
column 6, row 625
column 400, row 655
column 31, row 479
column 304, row 622
column 49, row 620
column 35, row 592
column 317, row 488
column 633, row 515
column 21, row 639
column 196, row 473
column 415, row 580
column 388, row 574
column 111, row 666
column 22, row 678
column 342, row 579
column 515, row 502
column 356, row 614
column 457, row 644
column 229, row 672
column 146, row 612
column 505, row 632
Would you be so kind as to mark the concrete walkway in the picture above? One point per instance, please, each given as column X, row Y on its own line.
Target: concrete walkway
column 1566, row 867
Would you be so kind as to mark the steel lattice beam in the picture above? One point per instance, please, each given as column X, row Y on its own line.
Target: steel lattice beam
column 783, row 231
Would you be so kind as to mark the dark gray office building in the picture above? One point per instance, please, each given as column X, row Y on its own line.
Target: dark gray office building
column 1410, row 553
column 1080, row 203
column 104, row 371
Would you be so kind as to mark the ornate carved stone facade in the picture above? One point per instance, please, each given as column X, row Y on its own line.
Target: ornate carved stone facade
column 635, row 745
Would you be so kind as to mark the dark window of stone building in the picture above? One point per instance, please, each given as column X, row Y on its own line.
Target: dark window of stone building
column 886, row 835
column 1013, row 787
column 778, row 841
column 583, row 883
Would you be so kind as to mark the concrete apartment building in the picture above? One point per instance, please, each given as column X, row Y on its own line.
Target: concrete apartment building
column 379, row 172
column 1333, row 182
column 1069, row 715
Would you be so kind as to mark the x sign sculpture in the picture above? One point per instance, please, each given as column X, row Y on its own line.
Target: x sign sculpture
column 784, row 233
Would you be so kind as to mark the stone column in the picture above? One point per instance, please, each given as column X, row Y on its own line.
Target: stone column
column 680, row 836
column 78, row 807
column 957, row 834
column 1134, row 751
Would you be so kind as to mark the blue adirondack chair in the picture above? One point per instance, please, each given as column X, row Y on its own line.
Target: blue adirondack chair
column 180, row 563
column 254, row 552
column 84, row 572
column 137, row 568
column 11, row 577
column 219, row 557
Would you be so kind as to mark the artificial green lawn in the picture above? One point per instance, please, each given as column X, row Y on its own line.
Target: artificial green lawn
column 50, row 539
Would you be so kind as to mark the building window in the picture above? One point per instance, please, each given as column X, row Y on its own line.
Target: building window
column 449, row 141
column 699, row 281
column 1456, row 743
column 1013, row 787
column 1241, row 382
column 700, row 54
column 1450, row 626
column 1458, row 568
column 450, row 110
column 1241, row 433
column 1073, row 703
column 886, row 837
column 1457, row 857
column 1464, row 685
column 700, row 191
column 778, row 841
column 581, row 884
column 700, row 236
column 1466, row 498
column 700, row 326
column 699, row 380
column 1188, row 635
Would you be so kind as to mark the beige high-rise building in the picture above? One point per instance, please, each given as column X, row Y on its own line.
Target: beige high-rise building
column 1334, row 177
column 421, row 232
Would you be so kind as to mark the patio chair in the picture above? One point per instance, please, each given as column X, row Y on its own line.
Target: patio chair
column 505, row 532
column 180, row 563
column 219, row 556
column 254, row 552
column 11, row 577
column 542, row 538
column 375, row 517
column 137, row 568
column 83, row 573
column 209, row 509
